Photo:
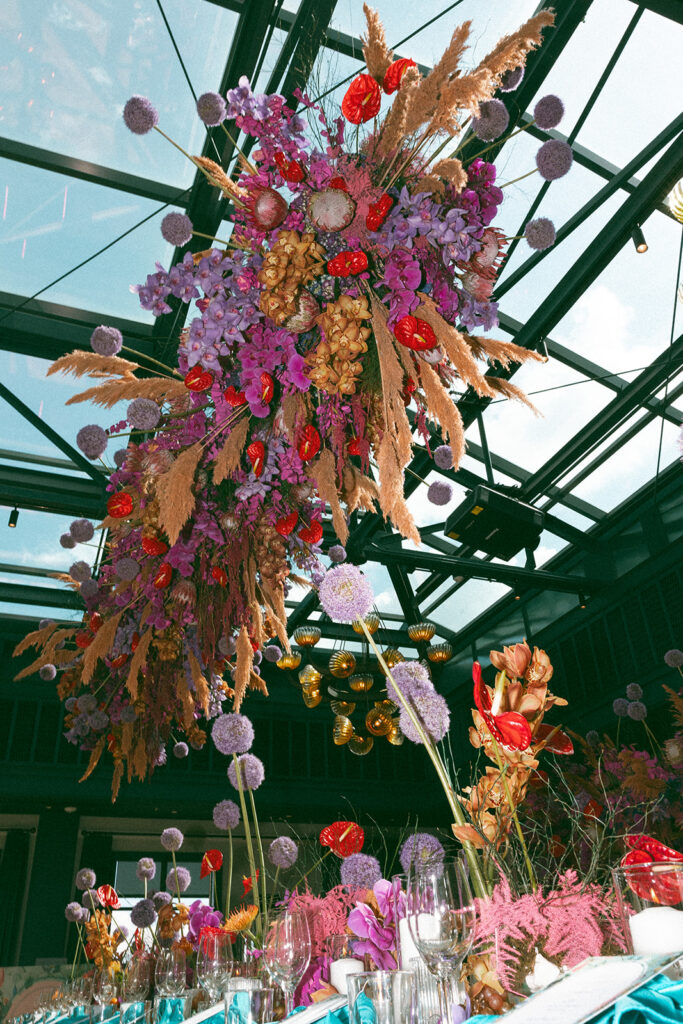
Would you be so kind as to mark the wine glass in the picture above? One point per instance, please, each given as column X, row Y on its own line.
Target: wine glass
column 104, row 989
column 287, row 952
column 137, row 979
column 169, row 975
column 214, row 965
column 441, row 919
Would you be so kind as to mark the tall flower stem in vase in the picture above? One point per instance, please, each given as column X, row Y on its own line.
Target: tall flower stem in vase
column 228, row 888
column 247, row 832
column 262, row 862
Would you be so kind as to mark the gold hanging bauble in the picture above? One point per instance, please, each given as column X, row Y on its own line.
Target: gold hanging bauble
column 309, row 674
column 342, row 707
column 307, row 636
column 387, row 705
column 440, row 653
column 378, row 722
column 311, row 698
column 371, row 621
column 342, row 730
column 420, row 631
column 392, row 657
column 291, row 660
column 361, row 682
column 312, row 687
column 395, row 736
column 360, row 745
column 342, row 664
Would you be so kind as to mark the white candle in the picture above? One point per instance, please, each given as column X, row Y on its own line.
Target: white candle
column 657, row 931
column 340, row 970
column 429, row 929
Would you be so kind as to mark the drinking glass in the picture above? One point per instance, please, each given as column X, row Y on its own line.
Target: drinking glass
column 104, row 988
column 441, row 919
column 287, row 952
column 214, row 963
column 384, row 997
column 169, row 975
column 249, row 1006
column 137, row 979
column 650, row 901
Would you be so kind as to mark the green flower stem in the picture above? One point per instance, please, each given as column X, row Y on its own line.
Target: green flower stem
column 515, row 818
column 247, row 162
column 453, row 802
column 272, row 895
column 302, row 878
column 259, row 841
column 247, row 832
column 175, row 871
column 520, row 178
column 229, row 885
column 170, row 372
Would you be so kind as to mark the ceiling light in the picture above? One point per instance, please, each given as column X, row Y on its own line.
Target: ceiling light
column 13, row 516
column 639, row 239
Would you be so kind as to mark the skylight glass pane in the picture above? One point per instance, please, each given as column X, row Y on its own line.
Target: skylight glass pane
column 34, row 542
column 67, row 73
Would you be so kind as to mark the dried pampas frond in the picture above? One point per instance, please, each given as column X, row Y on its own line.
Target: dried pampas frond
column 510, row 390
column 456, row 348
column 137, row 661
column 376, row 53
column 443, row 411
column 394, row 127
column 453, row 171
column 430, row 89
column 512, row 50
column 174, row 492
column 100, row 646
column 323, row 472
column 501, row 352
column 83, row 364
column 126, row 389
column 430, row 183
column 465, row 93
column 228, row 458
column 217, row 176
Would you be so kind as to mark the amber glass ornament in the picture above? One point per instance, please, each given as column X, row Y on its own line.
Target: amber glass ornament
column 387, row 705
column 311, row 698
column 378, row 722
column 392, row 657
column 291, row 660
column 342, row 730
column 371, row 621
column 360, row 745
column 361, row 682
column 395, row 736
column 440, row 653
column 420, row 632
column 309, row 674
column 342, row 664
column 342, row 707
column 307, row 636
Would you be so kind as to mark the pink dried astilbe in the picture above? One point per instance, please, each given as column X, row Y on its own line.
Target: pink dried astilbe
column 327, row 915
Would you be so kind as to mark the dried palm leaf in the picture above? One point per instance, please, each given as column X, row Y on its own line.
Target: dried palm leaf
column 175, row 494
column 228, row 458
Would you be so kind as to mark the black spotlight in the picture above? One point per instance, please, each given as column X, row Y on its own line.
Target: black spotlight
column 582, row 600
column 13, row 517
column 639, row 239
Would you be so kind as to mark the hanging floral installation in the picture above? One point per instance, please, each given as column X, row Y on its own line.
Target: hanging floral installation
column 326, row 335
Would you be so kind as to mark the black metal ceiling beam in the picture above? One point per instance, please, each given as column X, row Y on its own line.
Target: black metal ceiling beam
column 51, row 597
column 52, row 492
column 672, row 9
column 96, row 174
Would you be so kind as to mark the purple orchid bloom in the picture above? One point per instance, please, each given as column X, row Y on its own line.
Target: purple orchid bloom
column 296, row 370
column 376, row 939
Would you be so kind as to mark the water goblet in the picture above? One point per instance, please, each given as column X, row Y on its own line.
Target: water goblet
column 287, row 952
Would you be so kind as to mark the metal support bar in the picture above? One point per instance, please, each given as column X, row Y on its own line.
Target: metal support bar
column 53, row 597
column 58, row 493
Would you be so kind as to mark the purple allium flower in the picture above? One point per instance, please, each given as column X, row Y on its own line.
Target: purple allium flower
column 232, row 734
column 90, row 900
column 637, row 711
column 211, row 108
column 432, row 711
column 492, row 121
column 180, row 750
column 272, row 653
column 92, row 440
column 411, row 677
column 82, row 530
column 88, row 589
column 45, row 622
column 72, row 912
column 443, row 456
column 139, row 114
column 98, row 721
column 554, row 159
column 227, row 646
column 592, row 738
column 146, row 869
column 337, row 553
column 226, row 815
column 419, row 850
column 47, row 673
column 161, row 899
column 346, row 594
column 126, row 568
column 106, row 341
column 360, row 871
column 80, row 572
column 87, row 703
column 674, row 658
column 176, row 228
column 171, row 839
column 283, row 852
column 620, row 707
column 634, row 691
column 86, row 878
column 511, row 79
column 439, row 492
column 67, row 541
column 548, row 112
column 143, row 414
column 258, row 658
column 120, row 457
column 178, row 880
column 540, row 233
column 143, row 914
column 252, row 772
column 71, row 704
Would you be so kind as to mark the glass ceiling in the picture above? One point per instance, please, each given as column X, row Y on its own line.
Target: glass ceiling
column 68, row 66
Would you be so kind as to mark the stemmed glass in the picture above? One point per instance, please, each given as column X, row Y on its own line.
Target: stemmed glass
column 214, row 962
column 169, row 975
column 137, row 979
column 104, row 991
column 441, row 919
column 287, row 952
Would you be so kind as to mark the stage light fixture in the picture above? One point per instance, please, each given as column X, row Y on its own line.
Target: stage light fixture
column 639, row 239
column 13, row 517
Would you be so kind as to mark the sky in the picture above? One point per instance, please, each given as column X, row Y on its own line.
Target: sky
column 64, row 77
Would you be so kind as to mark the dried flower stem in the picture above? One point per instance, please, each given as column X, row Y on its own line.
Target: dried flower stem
column 247, row 162
column 520, row 178
column 247, row 832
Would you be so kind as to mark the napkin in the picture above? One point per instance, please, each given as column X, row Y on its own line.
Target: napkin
column 170, row 1010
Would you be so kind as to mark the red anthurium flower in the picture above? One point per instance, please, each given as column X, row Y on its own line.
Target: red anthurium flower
column 593, row 809
column 347, row 262
column 95, row 621
column 656, row 885
column 291, row 170
column 378, row 212
column 309, row 444
column 395, row 72
column 198, row 379
column 343, row 838
column 353, row 447
column 153, row 546
column 234, row 398
column 256, row 453
column 652, row 848
column 338, row 183
column 135, row 641
column 553, row 739
column 267, row 387
column 219, row 574
column 120, row 505
column 163, row 576
column 409, row 389
column 415, row 334
column 511, row 729
column 83, row 640
column 285, row 525
column 108, row 897
column 211, row 861
column 247, row 883
column 117, row 662
column 311, row 534
column 362, row 100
